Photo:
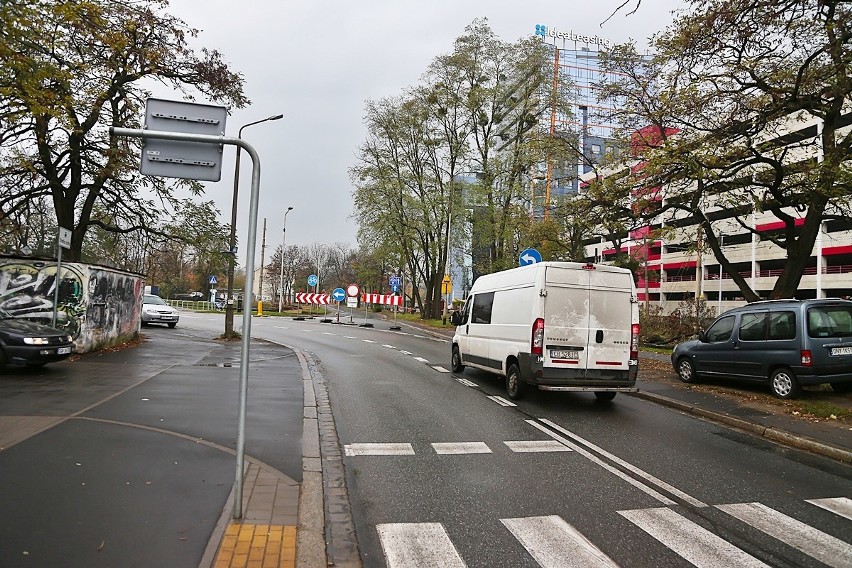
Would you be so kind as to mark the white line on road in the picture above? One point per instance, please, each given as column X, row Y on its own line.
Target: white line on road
column 421, row 359
column 644, row 475
column 378, row 449
column 813, row 542
column 556, row 544
column 389, row 346
column 529, row 446
column 440, row 369
column 349, row 337
column 418, row 545
column 467, row 383
column 595, row 459
column 368, row 341
column 405, row 352
column 692, row 542
column 450, row 448
column 838, row 505
column 501, row 401
column 328, row 333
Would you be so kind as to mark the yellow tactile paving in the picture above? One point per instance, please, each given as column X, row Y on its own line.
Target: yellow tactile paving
column 257, row 546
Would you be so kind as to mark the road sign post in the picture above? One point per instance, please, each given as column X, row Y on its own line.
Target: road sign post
column 249, row 284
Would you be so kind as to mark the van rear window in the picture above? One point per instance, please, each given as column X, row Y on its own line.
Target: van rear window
column 830, row 321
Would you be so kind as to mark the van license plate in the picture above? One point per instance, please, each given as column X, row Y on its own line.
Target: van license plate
column 63, row 351
column 841, row 350
column 559, row 354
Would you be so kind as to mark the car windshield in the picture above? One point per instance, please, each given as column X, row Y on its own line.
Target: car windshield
column 149, row 299
column 830, row 321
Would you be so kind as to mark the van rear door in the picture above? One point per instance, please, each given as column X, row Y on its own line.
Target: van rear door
column 610, row 322
column 566, row 318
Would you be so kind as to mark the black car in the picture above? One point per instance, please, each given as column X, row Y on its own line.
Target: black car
column 24, row 342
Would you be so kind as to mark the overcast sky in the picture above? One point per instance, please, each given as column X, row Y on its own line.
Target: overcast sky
column 317, row 63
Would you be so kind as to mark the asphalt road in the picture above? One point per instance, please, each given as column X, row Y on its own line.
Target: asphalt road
column 441, row 470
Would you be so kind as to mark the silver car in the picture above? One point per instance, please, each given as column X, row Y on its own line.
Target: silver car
column 156, row 310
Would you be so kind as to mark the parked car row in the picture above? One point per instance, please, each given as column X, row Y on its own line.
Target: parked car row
column 782, row 343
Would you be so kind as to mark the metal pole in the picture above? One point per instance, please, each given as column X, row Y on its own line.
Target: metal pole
column 260, row 287
column 721, row 244
column 283, row 241
column 56, row 280
column 232, row 242
column 252, row 238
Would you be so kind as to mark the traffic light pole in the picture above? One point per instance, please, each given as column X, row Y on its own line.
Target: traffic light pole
column 250, row 253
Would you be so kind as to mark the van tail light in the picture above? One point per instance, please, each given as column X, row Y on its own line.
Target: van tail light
column 634, row 341
column 537, row 343
column 806, row 358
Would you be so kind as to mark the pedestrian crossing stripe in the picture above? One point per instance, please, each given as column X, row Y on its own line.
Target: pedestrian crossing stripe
column 554, row 543
column 453, row 448
column 841, row 506
column 815, row 543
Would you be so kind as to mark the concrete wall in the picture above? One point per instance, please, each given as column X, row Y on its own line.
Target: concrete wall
column 98, row 306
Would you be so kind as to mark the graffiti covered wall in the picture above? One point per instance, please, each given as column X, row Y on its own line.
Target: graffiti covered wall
column 98, row 306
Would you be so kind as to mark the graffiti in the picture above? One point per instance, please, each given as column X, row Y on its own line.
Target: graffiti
column 96, row 306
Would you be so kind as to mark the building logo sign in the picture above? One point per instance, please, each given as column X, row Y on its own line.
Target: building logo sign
column 545, row 32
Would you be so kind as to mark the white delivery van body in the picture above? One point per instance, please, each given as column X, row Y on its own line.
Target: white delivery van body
column 563, row 326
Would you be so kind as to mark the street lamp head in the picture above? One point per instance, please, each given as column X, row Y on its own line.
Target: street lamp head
column 289, row 209
column 275, row 117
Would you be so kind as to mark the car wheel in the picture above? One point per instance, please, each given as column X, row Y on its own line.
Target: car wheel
column 455, row 362
column 605, row 395
column 841, row 387
column 784, row 384
column 144, row 323
column 515, row 387
column 172, row 324
column 685, row 370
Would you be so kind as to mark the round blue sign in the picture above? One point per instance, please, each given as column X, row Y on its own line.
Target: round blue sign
column 529, row 256
column 313, row 280
column 339, row 294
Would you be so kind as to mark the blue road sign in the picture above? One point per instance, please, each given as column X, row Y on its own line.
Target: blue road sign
column 339, row 294
column 394, row 281
column 313, row 280
column 529, row 256
column 395, row 288
column 213, row 280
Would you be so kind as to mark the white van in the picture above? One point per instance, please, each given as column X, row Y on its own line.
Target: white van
column 560, row 326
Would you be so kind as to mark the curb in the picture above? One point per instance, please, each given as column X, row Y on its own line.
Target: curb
column 768, row 432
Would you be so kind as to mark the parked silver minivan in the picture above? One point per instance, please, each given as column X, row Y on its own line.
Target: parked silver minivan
column 785, row 343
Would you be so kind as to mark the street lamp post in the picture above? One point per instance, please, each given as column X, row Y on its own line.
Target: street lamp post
column 281, row 282
column 232, row 243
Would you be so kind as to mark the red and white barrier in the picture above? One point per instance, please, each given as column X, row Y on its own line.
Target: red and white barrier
column 387, row 299
column 310, row 298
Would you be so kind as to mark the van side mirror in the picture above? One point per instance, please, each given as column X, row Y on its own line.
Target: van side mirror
column 702, row 337
column 456, row 318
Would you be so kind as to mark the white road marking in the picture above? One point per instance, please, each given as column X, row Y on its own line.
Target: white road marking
column 328, row 333
column 838, row 505
column 691, row 541
column 389, row 346
column 281, row 327
column 420, row 337
column 813, row 542
column 440, row 369
column 502, row 401
column 349, row 337
column 529, row 446
column 307, row 331
column 445, row 448
column 647, row 476
column 378, row 449
column 368, row 341
column 556, row 544
column 421, row 359
column 405, row 352
column 595, row 459
column 418, row 545
column 466, row 382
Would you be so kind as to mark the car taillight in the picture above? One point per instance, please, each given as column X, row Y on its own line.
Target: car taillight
column 806, row 358
column 634, row 341
column 537, row 337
